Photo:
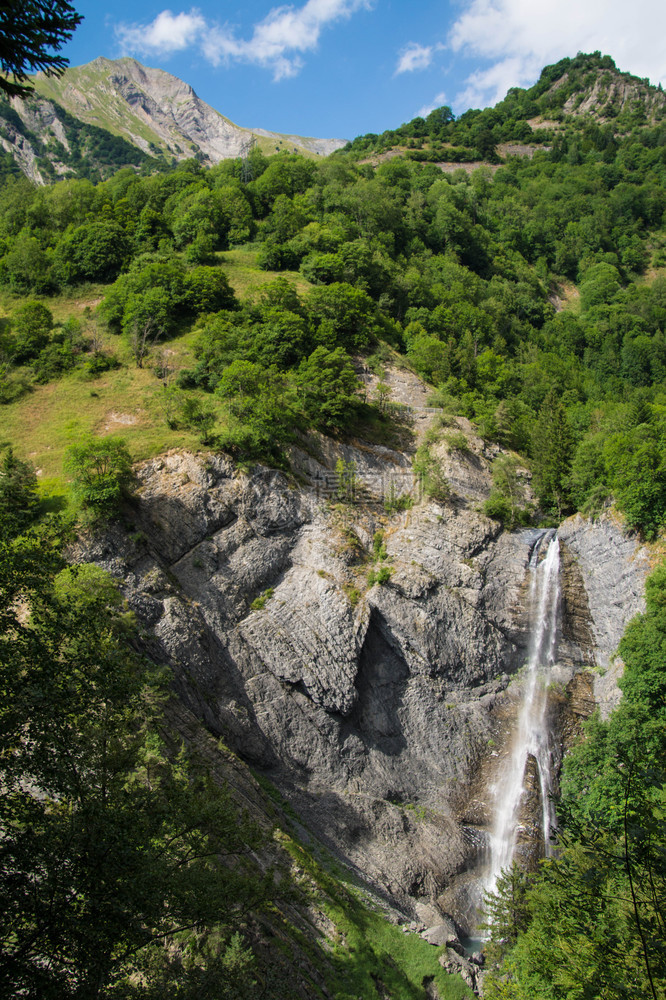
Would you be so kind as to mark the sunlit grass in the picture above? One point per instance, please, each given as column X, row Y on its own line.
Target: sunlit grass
column 569, row 297
column 125, row 402
column 240, row 268
column 72, row 302
column 368, row 950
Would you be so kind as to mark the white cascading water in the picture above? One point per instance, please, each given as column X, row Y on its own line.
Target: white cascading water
column 531, row 736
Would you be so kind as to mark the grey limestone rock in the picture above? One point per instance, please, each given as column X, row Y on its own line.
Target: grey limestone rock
column 380, row 712
column 612, row 566
column 468, row 970
column 443, row 933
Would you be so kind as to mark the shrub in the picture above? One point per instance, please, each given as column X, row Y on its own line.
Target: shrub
column 432, row 480
column 99, row 362
column 394, row 502
column 347, row 480
column 12, row 386
column 498, row 507
column 32, row 323
column 101, row 471
column 54, row 361
column 353, row 593
column 506, row 497
column 259, row 602
column 381, row 575
column 457, row 441
column 378, row 546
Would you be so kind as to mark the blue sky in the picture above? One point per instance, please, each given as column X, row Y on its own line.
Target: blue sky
column 341, row 68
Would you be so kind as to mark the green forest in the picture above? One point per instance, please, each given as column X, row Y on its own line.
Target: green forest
column 532, row 298
column 235, row 304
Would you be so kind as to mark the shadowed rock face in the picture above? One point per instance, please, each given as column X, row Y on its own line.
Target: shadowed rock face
column 530, row 843
column 577, row 637
column 380, row 714
column 612, row 569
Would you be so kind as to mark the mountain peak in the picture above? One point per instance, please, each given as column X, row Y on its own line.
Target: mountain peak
column 159, row 113
column 591, row 84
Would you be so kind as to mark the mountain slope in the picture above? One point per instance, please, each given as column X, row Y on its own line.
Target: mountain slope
column 592, row 85
column 159, row 113
column 43, row 141
column 570, row 95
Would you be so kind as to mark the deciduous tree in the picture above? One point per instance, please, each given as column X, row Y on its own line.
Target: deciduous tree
column 328, row 387
column 101, row 471
column 116, row 846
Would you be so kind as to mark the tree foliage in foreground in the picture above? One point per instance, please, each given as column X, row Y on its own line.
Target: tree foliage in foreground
column 18, row 494
column 124, row 867
column 31, row 32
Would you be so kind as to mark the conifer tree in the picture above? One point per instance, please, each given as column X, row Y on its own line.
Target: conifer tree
column 29, row 29
column 552, row 450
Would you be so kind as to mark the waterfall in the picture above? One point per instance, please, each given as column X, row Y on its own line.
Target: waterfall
column 531, row 737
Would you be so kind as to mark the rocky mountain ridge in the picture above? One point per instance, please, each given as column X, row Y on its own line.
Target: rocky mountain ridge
column 138, row 113
column 150, row 113
column 156, row 111
column 606, row 93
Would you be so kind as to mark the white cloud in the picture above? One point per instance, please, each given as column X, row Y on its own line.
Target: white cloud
column 437, row 102
column 276, row 42
column 166, row 34
column 487, row 86
column 413, row 57
column 520, row 37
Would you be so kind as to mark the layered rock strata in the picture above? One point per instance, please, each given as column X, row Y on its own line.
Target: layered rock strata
column 380, row 711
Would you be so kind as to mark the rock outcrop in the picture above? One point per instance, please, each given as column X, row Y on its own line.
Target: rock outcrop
column 610, row 93
column 610, row 567
column 381, row 710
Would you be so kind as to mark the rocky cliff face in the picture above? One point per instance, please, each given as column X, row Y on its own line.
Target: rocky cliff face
column 609, row 567
column 151, row 110
column 380, row 711
column 155, row 110
column 43, row 135
column 610, row 93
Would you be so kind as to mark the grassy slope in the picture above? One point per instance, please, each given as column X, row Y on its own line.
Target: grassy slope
column 240, row 267
column 125, row 402
column 44, row 422
column 375, row 957
column 368, row 956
